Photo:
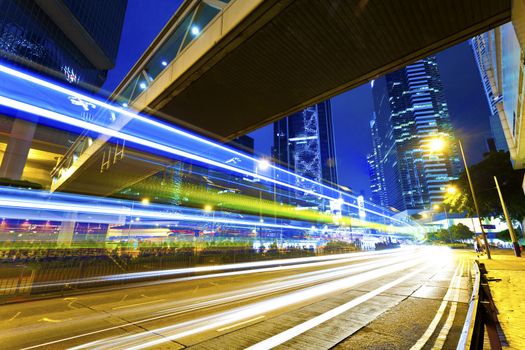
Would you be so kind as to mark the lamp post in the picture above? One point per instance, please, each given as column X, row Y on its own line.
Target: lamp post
column 515, row 244
column 209, row 209
column 437, row 207
column 483, row 233
column 438, row 144
column 143, row 201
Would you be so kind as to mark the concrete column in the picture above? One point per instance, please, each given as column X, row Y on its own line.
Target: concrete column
column 67, row 230
column 18, row 145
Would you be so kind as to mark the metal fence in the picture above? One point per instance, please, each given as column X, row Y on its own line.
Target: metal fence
column 25, row 279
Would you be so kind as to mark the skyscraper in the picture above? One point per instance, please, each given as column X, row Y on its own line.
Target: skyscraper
column 481, row 47
column 411, row 112
column 304, row 143
column 73, row 41
column 375, row 167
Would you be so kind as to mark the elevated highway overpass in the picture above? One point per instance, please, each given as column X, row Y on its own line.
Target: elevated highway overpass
column 257, row 61
column 225, row 68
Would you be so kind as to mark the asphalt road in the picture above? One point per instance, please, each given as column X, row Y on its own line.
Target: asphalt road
column 413, row 298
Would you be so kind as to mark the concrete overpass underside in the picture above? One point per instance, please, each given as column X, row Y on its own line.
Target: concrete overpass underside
column 285, row 55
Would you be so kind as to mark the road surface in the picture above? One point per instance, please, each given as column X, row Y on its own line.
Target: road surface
column 409, row 298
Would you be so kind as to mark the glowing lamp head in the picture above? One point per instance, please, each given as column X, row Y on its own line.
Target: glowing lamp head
column 435, row 206
column 437, row 144
column 451, row 189
column 144, row 201
column 208, row 208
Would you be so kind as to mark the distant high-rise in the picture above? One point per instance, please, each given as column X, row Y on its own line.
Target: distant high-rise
column 73, row 41
column 481, row 48
column 243, row 143
column 304, row 143
column 375, row 167
column 411, row 111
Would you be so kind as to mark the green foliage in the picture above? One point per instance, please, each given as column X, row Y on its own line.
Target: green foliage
column 453, row 234
column 460, row 232
column 482, row 174
column 503, row 235
column 339, row 246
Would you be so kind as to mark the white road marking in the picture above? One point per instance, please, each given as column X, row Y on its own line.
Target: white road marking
column 47, row 319
column 15, row 316
column 305, row 326
column 138, row 304
column 442, row 337
column 239, row 324
column 439, row 314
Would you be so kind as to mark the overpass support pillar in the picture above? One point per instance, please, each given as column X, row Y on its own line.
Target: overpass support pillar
column 17, row 150
column 67, row 230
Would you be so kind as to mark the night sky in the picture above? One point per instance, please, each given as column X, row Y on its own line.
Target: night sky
column 351, row 110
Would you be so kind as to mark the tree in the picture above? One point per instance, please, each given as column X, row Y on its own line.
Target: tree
column 440, row 235
column 503, row 235
column 460, row 232
column 510, row 181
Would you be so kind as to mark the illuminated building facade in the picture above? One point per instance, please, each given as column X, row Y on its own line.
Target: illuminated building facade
column 304, row 143
column 481, row 47
column 73, row 41
column 411, row 111
column 375, row 167
column 502, row 65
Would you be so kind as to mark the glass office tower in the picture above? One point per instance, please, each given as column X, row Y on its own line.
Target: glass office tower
column 411, row 111
column 304, row 143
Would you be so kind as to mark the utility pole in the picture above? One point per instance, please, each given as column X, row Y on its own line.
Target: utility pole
column 517, row 251
column 484, row 235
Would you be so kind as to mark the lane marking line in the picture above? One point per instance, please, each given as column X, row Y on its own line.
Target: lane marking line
column 15, row 316
column 240, row 324
column 439, row 314
column 138, row 304
column 442, row 337
column 305, row 326
column 47, row 319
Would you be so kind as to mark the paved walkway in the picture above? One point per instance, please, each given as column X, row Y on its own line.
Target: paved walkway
column 508, row 294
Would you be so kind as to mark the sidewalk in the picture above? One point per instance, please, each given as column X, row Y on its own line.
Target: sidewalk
column 508, row 294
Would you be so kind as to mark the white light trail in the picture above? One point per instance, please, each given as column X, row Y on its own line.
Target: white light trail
column 281, row 284
column 246, row 268
column 155, row 145
column 150, row 339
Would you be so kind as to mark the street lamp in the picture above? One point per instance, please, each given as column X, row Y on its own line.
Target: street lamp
column 143, row 201
column 438, row 144
column 452, row 189
column 436, row 207
column 209, row 209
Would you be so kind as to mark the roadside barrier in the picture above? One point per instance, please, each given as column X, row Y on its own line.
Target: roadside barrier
column 482, row 315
